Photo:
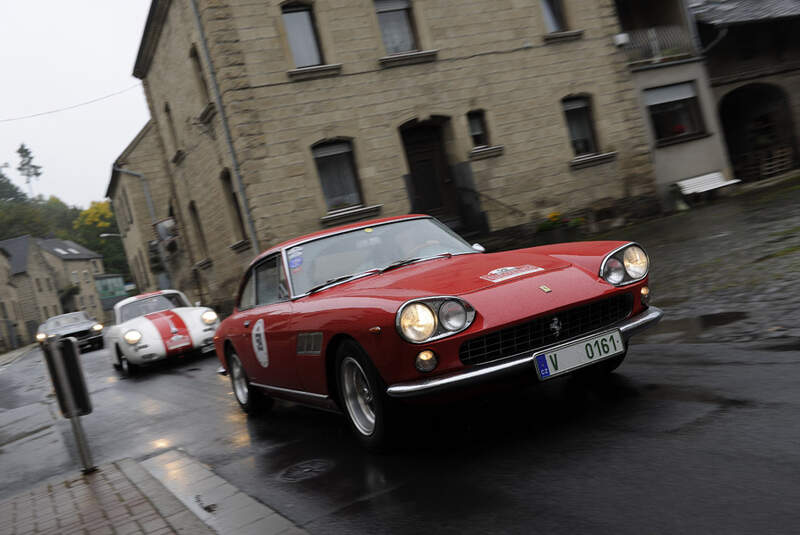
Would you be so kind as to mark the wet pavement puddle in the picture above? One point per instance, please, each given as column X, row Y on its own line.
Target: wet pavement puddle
column 690, row 329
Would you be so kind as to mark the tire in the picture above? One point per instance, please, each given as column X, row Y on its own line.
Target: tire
column 126, row 368
column 250, row 399
column 362, row 396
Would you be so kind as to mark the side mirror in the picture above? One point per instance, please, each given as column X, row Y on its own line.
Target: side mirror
column 478, row 247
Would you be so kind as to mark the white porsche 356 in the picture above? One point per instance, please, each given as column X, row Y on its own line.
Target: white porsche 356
column 154, row 326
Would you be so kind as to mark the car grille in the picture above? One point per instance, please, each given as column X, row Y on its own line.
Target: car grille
column 80, row 335
column 538, row 332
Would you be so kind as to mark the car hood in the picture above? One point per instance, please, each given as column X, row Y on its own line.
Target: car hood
column 72, row 328
column 185, row 314
column 457, row 275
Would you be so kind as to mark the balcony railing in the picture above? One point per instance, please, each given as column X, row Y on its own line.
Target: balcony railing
column 662, row 43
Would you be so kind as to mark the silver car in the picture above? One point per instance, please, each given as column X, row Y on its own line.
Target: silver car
column 87, row 330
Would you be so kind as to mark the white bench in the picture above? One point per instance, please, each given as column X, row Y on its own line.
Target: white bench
column 703, row 183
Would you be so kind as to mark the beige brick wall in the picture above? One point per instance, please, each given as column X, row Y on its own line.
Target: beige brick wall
column 9, row 307
column 80, row 273
column 37, row 300
column 491, row 56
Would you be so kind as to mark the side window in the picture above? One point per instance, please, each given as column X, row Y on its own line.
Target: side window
column 248, row 299
column 269, row 282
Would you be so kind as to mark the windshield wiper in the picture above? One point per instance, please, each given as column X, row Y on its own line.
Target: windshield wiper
column 331, row 282
column 408, row 261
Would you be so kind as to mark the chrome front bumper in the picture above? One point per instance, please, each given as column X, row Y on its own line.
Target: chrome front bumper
column 521, row 362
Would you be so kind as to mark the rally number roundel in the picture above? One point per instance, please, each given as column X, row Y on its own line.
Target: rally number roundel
column 260, row 343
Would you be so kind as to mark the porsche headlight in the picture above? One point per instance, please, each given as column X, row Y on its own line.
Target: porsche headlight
column 209, row 317
column 417, row 322
column 97, row 327
column 132, row 337
column 626, row 265
column 636, row 262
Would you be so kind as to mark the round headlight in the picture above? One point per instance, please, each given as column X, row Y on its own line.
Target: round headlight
column 132, row 337
column 614, row 272
column 417, row 322
column 97, row 327
column 636, row 262
column 453, row 315
column 41, row 337
column 209, row 317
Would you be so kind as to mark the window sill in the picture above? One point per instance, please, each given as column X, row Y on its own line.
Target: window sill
column 682, row 139
column 203, row 264
column 317, row 71
column 239, row 246
column 592, row 159
column 208, row 113
column 347, row 215
column 560, row 37
column 480, row 153
column 408, row 58
column 179, row 156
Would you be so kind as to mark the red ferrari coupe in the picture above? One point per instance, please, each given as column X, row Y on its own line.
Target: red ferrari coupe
column 357, row 317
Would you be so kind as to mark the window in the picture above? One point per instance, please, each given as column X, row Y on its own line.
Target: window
column 301, row 31
column 477, row 128
column 171, row 125
column 578, row 113
column 127, row 204
column 198, row 230
column 86, row 276
column 95, row 266
column 91, row 299
column 271, row 284
column 73, row 250
column 81, row 301
column 49, row 284
column 74, row 277
column 60, row 251
column 3, row 313
column 248, row 298
column 234, row 210
column 397, row 28
column 198, row 74
column 38, row 285
column 554, row 19
column 44, row 313
column 336, row 169
column 674, row 112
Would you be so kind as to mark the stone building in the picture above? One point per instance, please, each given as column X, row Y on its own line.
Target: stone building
column 279, row 118
column 75, row 268
column 753, row 55
column 10, row 322
column 35, row 282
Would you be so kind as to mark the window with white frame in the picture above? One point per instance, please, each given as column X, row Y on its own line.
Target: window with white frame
column 554, row 19
column 298, row 19
column 578, row 114
column 674, row 112
column 337, row 173
column 397, row 25
column 477, row 128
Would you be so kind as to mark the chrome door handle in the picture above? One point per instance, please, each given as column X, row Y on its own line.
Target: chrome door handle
column 247, row 323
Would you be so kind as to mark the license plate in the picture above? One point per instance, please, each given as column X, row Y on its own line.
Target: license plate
column 563, row 359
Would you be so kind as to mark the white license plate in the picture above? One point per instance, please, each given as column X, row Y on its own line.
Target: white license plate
column 568, row 357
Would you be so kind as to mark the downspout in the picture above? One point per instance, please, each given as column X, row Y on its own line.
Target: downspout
column 691, row 23
column 251, row 229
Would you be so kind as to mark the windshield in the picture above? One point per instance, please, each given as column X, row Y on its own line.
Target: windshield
column 65, row 320
column 148, row 305
column 316, row 262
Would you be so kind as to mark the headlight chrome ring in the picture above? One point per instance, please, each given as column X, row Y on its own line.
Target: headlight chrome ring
column 432, row 318
column 625, row 265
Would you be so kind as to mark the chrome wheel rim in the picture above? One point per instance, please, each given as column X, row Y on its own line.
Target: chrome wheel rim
column 239, row 380
column 358, row 396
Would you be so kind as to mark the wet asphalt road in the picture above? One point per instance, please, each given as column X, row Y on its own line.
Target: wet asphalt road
column 700, row 438
column 684, row 437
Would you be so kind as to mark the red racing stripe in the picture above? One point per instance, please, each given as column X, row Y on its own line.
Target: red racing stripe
column 173, row 331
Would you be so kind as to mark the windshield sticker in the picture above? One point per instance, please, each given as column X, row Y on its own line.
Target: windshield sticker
column 295, row 258
column 510, row 272
column 295, row 262
column 260, row 343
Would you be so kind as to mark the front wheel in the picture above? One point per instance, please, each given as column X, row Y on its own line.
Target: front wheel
column 250, row 399
column 362, row 395
column 126, row 368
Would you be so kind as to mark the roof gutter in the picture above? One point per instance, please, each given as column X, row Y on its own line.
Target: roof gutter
column 237, row 175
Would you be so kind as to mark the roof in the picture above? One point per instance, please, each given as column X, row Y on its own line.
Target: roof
column 17, row 249
column 152, row 32
column 729, row 12
column 120, row 161
column 67, row 250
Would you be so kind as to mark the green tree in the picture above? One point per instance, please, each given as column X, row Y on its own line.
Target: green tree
column 87, row 227
column 9, row 191
column 27, row 168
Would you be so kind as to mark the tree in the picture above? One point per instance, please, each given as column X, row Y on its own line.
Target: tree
column 9, row 192
column 87, row 227
column 27, row 168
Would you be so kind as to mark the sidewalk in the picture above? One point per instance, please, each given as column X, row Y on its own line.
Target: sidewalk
column 119, row 498
column 128, row 498
column 11, row 356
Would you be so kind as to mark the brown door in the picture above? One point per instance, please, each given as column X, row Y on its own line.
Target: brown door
column 431, row 188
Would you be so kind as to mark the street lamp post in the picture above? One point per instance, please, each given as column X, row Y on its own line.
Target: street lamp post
column 165, row 281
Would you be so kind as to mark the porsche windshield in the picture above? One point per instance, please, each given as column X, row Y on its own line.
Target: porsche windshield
column 314, row 263
column 148, row 305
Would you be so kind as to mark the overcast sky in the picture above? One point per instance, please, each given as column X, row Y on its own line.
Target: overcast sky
column 59, row 53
